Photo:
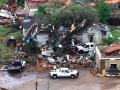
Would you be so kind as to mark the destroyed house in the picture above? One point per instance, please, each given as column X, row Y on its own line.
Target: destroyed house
column 30, row 27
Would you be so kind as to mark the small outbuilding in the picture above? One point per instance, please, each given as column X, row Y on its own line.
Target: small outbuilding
column 108, row 57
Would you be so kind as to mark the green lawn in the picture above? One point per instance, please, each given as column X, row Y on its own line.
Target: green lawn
column 17, row 35
column 5, row 33
column 5, row 52
column 116, row 34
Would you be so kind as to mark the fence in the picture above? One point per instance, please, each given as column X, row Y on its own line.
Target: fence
column 46, row 84
column 35, row 85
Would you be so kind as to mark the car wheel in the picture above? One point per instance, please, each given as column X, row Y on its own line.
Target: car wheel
column 54, row 76
column 72, row 76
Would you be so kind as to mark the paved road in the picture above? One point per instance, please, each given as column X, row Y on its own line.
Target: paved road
column 11, row 80
column 85, row 82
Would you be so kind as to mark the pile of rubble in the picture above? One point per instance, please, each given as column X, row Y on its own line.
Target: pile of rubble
column 62, row 49
column 41, row 65
column 9, row 18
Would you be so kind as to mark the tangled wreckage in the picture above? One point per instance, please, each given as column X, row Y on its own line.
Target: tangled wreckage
column 60, row 47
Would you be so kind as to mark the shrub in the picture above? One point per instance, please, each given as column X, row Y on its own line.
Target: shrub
column 41, row 11
column 110, row 40
column 103, row 11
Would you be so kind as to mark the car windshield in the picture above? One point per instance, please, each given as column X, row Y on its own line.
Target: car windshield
column 66, row 71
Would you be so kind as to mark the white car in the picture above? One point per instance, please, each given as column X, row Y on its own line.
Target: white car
column 64, row 72
column 87, row 47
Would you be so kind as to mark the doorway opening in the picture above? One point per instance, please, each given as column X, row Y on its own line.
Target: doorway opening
column 91, row 38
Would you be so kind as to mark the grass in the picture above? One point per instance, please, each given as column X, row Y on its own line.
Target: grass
column 6, row 52
column 4, row 31
column 116, row 34
column 17, row 35
column 115, row 31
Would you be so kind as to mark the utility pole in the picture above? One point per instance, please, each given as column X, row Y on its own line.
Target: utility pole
column 48, row 85
column 36, row 85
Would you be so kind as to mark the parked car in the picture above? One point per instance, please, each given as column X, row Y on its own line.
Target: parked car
column 113, row 70
column 64, row 72
column 17, row 66
column 86, row 47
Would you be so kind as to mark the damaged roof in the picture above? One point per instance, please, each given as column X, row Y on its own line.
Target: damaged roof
column 113, row 50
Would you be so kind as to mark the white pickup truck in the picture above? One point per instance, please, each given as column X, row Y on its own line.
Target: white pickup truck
column 64, row 72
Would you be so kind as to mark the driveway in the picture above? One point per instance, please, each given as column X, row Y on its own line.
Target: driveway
column 85, row 81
